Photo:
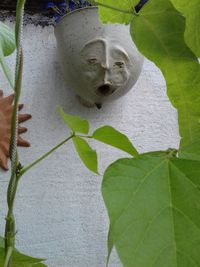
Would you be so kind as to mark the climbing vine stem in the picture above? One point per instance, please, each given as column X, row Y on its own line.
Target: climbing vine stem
column 13, row 183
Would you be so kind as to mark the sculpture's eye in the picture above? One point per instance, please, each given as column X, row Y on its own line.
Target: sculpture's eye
column 92, row 61
column 119, row 64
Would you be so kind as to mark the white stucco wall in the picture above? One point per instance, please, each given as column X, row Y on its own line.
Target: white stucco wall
column 60, row 213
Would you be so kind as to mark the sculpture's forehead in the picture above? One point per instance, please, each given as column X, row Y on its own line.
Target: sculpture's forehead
column 104, row 47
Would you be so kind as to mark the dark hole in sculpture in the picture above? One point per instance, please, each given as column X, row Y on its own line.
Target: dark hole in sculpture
column 104, row 90
column 98, row 105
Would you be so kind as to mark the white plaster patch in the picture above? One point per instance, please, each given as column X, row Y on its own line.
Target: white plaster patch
column 60, row 213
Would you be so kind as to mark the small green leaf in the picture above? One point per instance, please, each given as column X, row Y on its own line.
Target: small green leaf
column 7, row 47
column 21, row 260
column 114, row 16
column 7, row 40
column 75, row 123
column 86, row 154
column 112, row 137
column 7, row 71
column 153, row 206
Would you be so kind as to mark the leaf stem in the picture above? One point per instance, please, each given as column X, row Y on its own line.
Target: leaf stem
column 85, row 136
column 25, row 169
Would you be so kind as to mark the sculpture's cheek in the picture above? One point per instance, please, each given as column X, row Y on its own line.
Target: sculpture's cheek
column 92, row 73
column 119, row 76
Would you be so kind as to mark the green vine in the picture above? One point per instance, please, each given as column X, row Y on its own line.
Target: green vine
column 10, row 229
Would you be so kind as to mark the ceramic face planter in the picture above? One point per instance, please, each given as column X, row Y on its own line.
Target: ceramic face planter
column 100, row 62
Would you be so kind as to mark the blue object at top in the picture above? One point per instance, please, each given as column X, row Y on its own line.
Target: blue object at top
column 50, row 5
column 65, row 6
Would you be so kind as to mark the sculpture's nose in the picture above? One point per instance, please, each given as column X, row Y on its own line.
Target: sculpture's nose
column 106, row 88
column 105, row 63
column 106, row 78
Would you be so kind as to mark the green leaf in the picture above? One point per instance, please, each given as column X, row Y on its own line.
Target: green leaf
column 191, row 151
column 86, row 154
column 110, row 245
column 39, row 265
column 113, row 15
column 75, row 123
column 1, row 242
column 158, row 32
column 153, row 206
column 191, row 10
column 6, row 70
column 7, row 40
column 7, row 47
column 111, row 136
column 19, row 259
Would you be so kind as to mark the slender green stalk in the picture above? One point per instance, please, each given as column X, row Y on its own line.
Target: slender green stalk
column 113, row 8
column 13, row 183
column 25, row 169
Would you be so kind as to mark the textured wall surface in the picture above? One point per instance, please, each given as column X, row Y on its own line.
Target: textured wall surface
column 60, row 213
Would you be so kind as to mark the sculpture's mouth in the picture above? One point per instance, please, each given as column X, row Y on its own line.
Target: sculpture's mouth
column 105, row 90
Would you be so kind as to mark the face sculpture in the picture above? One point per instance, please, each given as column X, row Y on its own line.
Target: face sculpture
column 100, row 62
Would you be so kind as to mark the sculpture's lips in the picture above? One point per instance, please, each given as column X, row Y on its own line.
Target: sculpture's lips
column 105, row 90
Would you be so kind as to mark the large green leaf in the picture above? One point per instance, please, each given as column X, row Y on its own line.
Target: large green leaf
column 7, row 47
column 1, row 242
column 191, row 10
column 75, row 123
column 86, row 154
column 111, row 136
column 158, row 32
column 113, row 15
column 153, row 203
column 191, row 151
column 19, row 259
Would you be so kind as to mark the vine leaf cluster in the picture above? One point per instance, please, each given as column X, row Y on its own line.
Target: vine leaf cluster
column 105, row 134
